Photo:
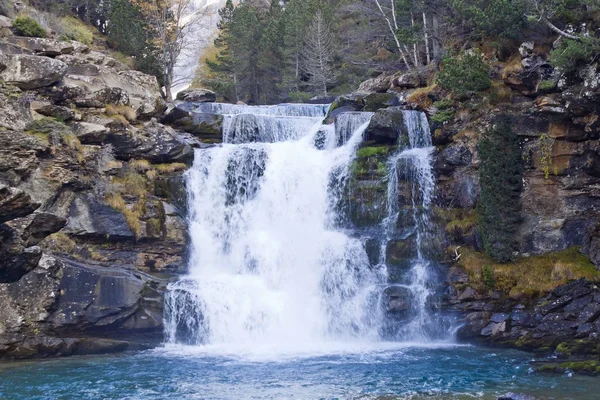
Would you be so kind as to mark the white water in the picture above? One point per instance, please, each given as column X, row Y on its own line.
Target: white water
column 269, row 268
column 412, row 166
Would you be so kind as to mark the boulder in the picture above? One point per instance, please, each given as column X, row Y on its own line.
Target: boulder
column 33, row 72
column 65, row 308
column 346, row 103
column 15, row 203
column 386, row 126
column 197, row 96
column 102, row 97
column 380, row 84
column 58, row 112
column 19, row 156
column 89, row 133
column 154, row 142
column 41, row 46
column 88, row 217
column 98, row 78
column 409, row 80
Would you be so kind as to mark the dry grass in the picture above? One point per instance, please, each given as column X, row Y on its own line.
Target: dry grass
column 527, row 276
column 132, row 183
column 170, row 168
column 132, row 215
column 124, row 111
column 513, row 65
column 499, row 93
column 140, row 165
column 59, row 242
column 420, row 97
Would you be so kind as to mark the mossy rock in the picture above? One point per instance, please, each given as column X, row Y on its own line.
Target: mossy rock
column 586, row 367
column 375, row 101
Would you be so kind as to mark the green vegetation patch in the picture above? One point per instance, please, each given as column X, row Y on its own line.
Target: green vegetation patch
column 527, row 276
column 464, row 74
column 588, row 367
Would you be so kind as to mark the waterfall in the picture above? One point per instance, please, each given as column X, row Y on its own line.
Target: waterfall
column 269, row 262
column 411, row 168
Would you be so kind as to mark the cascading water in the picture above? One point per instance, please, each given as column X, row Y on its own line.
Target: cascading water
column 269, row 265
column 411, row 168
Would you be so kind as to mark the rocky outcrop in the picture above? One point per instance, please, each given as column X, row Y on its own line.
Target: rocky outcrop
column 32, row 72
column 153, row 142
column 197, row 96
column 65, row 308
column 41, row 46
column 565, row 320
column 90, row 202
column 386, row 126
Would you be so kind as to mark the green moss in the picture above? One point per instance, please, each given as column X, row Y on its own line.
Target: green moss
column 590, row 367
column 375, row 101
column 548, row 84
column 371, row 151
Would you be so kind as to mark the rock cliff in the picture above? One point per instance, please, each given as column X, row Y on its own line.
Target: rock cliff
column 92, row 201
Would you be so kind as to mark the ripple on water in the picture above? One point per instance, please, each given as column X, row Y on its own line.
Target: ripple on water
column 382, row 372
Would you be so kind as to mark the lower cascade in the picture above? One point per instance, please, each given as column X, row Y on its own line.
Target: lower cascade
column 273, row 260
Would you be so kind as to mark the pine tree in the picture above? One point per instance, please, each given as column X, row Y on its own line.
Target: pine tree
column 318, row 54
column 224, row 79
column 500, row 178
column 271, row 61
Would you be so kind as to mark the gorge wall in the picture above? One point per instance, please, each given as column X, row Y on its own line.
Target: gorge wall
column 91, row 201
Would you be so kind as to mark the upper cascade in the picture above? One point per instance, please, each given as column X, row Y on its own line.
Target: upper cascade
column 246, row 124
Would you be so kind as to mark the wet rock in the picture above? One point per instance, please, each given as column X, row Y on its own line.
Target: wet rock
column 346, row 103
column 154, row 142
column 66, row 304
column 197, row 96
column 373, row 249
column 41, row 46
column 375, row 101
column 32, row 72
column 386, row 126
column 494, row 329
column 398, row 299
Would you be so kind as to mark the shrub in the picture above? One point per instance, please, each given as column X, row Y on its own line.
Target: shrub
column 445, row 111
column 500, row 175
column 464, row 74
column 503, row 18
column 27, row 26
column 570, row 54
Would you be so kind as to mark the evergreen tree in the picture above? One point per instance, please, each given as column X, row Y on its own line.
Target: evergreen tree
column 271, row 61
column 500, row 178
column 223, row 79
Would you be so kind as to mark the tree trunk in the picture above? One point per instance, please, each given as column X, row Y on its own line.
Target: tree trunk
column 437, row 45
column 426, row 38
column 415, row 52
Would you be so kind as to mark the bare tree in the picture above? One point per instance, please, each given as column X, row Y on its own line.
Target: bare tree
column 173, row 23
column 392, row 23
column 317, row 53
